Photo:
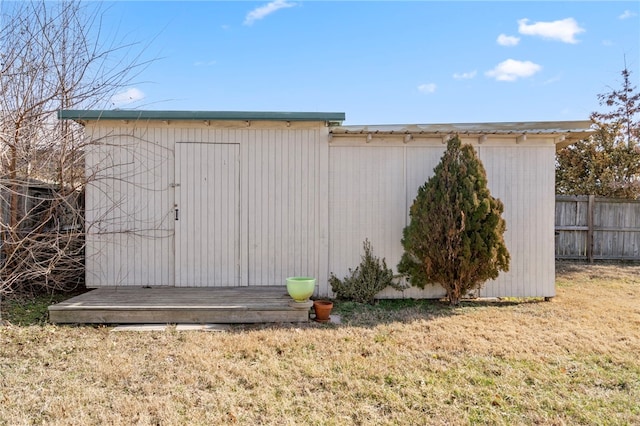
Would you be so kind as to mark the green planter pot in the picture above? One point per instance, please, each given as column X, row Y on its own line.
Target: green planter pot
column 301, row 288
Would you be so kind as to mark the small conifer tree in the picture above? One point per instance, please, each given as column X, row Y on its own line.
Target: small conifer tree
column 455, row 234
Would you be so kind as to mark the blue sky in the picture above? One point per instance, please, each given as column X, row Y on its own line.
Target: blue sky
column 382, row 62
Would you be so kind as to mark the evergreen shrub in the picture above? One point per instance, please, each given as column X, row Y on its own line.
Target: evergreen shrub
column 366, row 281
column 455, row 234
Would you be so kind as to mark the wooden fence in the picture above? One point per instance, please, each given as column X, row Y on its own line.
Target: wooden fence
column 595, row 228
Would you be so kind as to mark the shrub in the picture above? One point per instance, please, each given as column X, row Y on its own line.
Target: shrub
column 455, row 235
column 367, row 280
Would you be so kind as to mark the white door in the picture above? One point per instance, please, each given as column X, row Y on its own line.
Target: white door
column 207, row 215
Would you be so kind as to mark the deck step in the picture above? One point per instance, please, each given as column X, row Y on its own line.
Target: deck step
column 173, row 305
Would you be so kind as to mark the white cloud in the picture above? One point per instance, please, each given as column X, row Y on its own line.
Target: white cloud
column 266, row 10
column 563, row 30
column 505, row 40
column 627, row 14
column 127, row 97
column 427, row 88
column 553, row 79
column 465, row 75
column 511, row 70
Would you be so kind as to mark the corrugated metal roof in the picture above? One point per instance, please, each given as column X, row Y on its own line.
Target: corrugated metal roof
column 83, row 115
column 516, row 128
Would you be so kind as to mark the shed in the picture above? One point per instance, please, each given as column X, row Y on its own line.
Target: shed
column 242, row 199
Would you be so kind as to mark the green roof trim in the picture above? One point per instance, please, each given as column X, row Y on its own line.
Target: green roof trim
column 77, row 114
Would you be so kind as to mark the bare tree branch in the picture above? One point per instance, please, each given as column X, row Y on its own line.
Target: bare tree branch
column 53, row 55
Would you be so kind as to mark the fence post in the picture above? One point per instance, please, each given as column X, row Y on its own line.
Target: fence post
column 590, row 226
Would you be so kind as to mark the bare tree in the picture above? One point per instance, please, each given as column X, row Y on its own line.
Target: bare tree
column 53, row 55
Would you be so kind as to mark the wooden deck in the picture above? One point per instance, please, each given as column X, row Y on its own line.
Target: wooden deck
column 175, row 305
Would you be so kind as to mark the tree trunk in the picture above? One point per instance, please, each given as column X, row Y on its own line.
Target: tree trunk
column 454, row 294
column 14, row 189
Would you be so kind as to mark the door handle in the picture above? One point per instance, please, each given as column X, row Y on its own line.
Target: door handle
column 176, row 214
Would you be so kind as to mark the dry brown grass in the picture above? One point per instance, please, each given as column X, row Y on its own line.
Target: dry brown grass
column 573, row 360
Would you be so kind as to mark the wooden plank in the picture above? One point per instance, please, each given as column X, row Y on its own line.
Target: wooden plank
column 150, row 295
column 574, row 198
column 617, row 201
column 571, row 228
column 126, row 305
column 176, row 316
column 590, row 225
column 615, row 232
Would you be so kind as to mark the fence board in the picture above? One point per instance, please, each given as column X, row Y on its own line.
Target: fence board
column 597, row 228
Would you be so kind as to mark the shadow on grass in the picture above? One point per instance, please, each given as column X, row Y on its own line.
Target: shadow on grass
column 406, row 310
column 388, row 311
column 23, row 310
column 27, row 311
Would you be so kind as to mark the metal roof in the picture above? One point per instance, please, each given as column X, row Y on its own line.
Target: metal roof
column 565, row 132
column 579, row 128
column 571, row 130
column 117, row 114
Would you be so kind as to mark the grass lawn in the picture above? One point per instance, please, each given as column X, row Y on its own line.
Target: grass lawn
column 573, row 360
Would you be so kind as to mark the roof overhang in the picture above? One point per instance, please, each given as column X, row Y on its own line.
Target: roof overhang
column 564, row 132
column 83, row 116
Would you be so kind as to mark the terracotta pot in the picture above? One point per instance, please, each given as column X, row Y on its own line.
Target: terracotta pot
column 323, row 310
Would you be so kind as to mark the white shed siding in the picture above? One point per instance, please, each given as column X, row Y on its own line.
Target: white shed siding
column 283, row 186
column 522, row 178
column 280, row 222
column 373, row 185
column 421, row 161
column 294, row 203
column 371, row 190
column 129, row 208
column 207, row 231
column 365, row 194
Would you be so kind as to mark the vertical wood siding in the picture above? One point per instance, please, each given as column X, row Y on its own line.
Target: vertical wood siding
column 129, row 208
column 279, row 222
column 614, row 233
column 572, row 225
column 366, row 199
column 523, row 178
column 304, row 206
column 283, row 185
column 371, row 190
column 616, row 229
column 207, row 232
column 373, row 187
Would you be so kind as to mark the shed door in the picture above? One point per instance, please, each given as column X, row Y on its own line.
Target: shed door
column 207, row 217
